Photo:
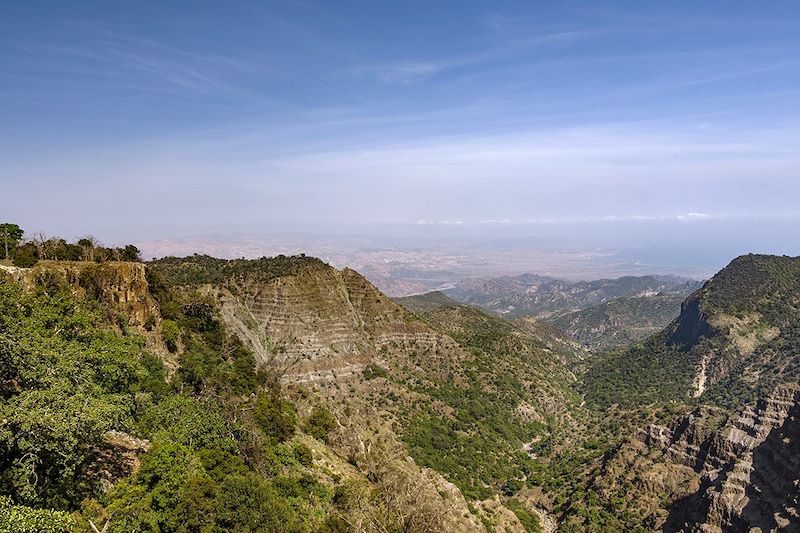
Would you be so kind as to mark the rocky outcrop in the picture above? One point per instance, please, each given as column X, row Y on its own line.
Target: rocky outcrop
column 749, row 472
column 116, row 456
column 120, row 284
column 719, row 472
column 691, row 325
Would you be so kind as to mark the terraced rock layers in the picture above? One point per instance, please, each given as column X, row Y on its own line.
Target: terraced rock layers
column 322, row 323
column 720, row 473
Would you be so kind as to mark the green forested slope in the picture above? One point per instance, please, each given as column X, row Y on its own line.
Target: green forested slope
column 621, row 321
column 80, row 404
column 735, row 339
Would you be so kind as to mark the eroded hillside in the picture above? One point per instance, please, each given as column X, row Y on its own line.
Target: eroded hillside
column 478, row 400
column 287, row 388
column 728, row 463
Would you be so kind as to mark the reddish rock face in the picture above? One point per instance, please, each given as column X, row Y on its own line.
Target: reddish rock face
column 120, row 285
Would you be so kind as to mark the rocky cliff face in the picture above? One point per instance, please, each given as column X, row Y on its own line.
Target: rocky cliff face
column 390, row 376
column 732, row 463
column 711, row 471
column 121, row 286
column 749, row 470
column 321, row 323
column 692, row 323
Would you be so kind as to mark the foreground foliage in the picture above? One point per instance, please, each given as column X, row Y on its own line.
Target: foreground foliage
column 219, row 457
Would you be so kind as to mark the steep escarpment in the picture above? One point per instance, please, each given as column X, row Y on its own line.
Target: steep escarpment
column 710, row 470
column 120, row 287
column 307, row 318
column 447, row 418
column 692, row 323
column 93, row 427
column 305, row 321
column 477, row 401
column 735, row 339
column 730, row 362
column 117, row 283
column 749, row 476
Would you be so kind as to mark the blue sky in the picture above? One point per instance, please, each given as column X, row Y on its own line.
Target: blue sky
column 151, row 119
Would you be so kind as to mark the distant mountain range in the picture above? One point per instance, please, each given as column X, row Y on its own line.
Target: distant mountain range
column 547, row 336
column 544, row 296
column 620, row 321
column 602, row 314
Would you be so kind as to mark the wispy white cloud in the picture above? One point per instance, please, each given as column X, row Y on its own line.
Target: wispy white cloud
column 696, row 217
column 620, row 218
column 505, row 45
column 401, row 72
column 423, row 222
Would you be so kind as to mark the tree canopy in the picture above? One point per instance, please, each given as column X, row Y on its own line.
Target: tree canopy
column 10, row 235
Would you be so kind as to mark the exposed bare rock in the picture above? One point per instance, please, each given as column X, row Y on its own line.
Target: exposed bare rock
column 324, row 324
column 120, row 285
column 720, row 472
column 692, row 324
column 500, row 517
column 750, row 476
column 415, row 498
column 116, row 457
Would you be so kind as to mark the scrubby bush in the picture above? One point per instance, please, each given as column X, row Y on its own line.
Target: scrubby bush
column 320, row 423
column 171, row 333
column 274, row 416
column 24, row 256
column 21, row 519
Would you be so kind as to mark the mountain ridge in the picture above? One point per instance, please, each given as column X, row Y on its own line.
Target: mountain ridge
column 544, row 296
column 483, row 416
column 728, row 330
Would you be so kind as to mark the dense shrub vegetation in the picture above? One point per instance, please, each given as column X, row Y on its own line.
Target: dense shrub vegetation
column 643, row 374
column 202, row 269
column 752, row 295
column 95, row 430
column 766, row 284
column 220, row 456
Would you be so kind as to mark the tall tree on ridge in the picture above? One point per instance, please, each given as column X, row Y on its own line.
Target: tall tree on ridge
column 10, row 235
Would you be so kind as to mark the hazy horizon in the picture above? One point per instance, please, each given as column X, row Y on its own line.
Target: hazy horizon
column 665, row 137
